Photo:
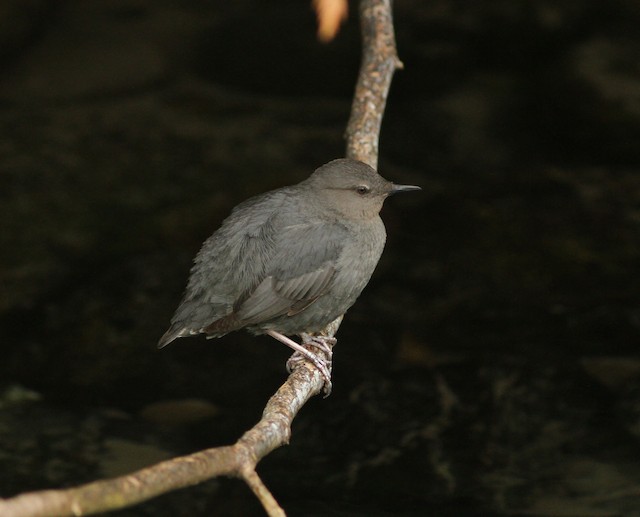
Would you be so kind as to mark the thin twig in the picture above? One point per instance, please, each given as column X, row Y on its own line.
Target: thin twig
column 269, row 503
column 379, row 62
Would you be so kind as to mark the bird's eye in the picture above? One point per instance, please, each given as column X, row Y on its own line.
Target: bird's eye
column 362, row 190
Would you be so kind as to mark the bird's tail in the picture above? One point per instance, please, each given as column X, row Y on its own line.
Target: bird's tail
column 174, row 332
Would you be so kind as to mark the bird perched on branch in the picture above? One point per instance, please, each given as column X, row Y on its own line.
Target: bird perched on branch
column 290, row 261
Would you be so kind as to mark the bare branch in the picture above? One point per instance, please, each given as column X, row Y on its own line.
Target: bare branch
column 269, row 503
column 238, row 460
column 379, row 62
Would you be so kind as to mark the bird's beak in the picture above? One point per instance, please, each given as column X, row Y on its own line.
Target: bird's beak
column 402, row 188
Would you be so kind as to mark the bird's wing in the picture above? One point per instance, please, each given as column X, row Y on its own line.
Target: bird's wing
column 300, row 270
column 231, row 262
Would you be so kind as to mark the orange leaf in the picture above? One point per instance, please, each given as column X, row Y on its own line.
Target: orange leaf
column 330, row 13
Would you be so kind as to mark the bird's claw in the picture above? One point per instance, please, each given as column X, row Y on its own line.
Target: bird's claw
column 324, row 343
column 322, row 365
column 302, row 353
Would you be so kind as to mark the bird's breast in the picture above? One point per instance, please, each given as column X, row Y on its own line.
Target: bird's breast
column 360, row 256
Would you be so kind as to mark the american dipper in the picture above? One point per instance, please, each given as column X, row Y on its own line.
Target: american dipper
column 289, row 261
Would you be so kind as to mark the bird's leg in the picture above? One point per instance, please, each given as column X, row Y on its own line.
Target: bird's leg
column 301, row 354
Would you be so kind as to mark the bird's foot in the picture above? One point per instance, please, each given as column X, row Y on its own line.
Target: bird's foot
column 324, row 343
column 323, row 366
column 303, row 354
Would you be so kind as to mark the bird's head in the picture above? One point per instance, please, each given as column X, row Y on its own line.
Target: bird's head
column 353, row 188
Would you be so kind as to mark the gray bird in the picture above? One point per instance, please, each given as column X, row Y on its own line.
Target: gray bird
column 289, row 261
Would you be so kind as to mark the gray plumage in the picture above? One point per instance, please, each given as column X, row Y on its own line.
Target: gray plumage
column 291, row 260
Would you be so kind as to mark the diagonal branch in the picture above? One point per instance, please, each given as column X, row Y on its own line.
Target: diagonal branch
column 379, row 62
column 238, row 460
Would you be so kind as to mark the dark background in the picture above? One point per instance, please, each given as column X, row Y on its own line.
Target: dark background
column 490, row 368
